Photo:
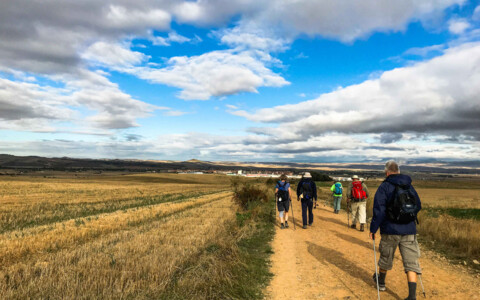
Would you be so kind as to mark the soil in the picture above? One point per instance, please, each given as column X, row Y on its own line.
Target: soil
column 328, row 260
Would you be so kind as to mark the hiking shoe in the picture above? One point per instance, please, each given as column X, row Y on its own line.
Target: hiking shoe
column 381, row 286
column 286, row 224
column 310, row 224
column 354, row 226
column 304, row 226
column 362, row 227
column 282, row 226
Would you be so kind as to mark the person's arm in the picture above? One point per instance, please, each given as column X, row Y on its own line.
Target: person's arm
column 289, row 193
column 379, row 208
column 299, row 189
column 314, row 190
column 349, row 192
column 365, row 189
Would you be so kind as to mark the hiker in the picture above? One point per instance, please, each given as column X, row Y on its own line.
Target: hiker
column 337, row 191
column 283, row 192
column 357, row 195
column 307, row 192
column 397, row 226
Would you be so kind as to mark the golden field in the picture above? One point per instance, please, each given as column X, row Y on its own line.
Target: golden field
column 108, row 236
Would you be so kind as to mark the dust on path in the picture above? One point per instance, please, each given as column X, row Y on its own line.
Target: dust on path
column 331, row 261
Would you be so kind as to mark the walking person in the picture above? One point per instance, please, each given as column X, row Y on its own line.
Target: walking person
column 357, row 195
column 283, row 195
column 307, row 193
column 337, row 191
column 395, row 209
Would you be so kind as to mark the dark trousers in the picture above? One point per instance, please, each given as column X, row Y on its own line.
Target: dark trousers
column 307, row 204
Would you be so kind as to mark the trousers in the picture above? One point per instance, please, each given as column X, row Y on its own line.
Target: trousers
column 307, row 205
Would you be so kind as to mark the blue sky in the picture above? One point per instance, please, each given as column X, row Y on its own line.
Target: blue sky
column 302, row 80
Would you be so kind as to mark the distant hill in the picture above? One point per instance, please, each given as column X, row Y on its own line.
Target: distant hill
column 134, row 165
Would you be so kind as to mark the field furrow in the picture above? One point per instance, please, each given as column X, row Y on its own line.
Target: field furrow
column 20, row 244
column 126, row 262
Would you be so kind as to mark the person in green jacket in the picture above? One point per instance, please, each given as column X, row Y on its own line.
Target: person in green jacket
column 337, row 191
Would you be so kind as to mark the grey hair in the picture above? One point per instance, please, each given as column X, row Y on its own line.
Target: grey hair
column 392, row 167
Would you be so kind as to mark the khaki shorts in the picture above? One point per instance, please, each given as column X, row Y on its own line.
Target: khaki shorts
column 409, row 250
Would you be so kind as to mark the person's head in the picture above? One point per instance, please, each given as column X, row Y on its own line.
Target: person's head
column 355, row 178
column 283, row 177
column 391, row 167
column 307, row 175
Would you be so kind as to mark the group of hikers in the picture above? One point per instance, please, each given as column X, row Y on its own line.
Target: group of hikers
column 395, row 208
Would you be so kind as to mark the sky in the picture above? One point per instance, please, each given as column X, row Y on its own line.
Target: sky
column 241, row 80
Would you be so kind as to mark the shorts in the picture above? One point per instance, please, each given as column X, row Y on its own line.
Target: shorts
column 409, row 250
column 283, row 205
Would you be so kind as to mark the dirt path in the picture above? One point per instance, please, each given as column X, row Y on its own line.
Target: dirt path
column 331, row 261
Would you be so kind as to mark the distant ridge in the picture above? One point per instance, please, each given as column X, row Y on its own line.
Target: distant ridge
column 8, row 161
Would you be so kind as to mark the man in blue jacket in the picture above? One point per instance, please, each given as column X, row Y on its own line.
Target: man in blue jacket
column 307, row 192
column 395, row 234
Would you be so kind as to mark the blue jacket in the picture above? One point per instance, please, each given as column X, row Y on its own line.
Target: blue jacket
column 383, row 196
column 312, row 185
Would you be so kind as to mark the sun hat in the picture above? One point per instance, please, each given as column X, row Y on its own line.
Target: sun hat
column 307, row 175
column 354, row 177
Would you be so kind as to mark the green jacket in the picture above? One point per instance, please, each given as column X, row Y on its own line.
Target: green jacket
column 333, row 189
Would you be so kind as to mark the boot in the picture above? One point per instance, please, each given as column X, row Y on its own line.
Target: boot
column 354, row 226
column 362, row 227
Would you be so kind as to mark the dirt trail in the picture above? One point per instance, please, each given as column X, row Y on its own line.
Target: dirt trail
column 331, row 261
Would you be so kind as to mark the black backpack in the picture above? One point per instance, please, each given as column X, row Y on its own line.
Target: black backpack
column 307, row 190
column 402, row 208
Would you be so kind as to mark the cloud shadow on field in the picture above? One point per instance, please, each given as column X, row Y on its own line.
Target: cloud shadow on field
column 329, row 256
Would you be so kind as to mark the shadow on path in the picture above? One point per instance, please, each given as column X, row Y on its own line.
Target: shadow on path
column 329, row 256
column 332, row 220
column 354, row 240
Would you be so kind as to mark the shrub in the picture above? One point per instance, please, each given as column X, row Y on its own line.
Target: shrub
column 245, row 194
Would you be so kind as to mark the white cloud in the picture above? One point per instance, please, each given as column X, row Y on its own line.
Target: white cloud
column 340, row 19
column 476, row 14
column 26, row 106
column 458, row 26
column 217, row 73
column 172, row 37
column 113, row 54
column 439, row 95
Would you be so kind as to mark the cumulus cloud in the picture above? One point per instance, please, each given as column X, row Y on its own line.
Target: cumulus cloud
column 439, row 95
column 341, row 20
column 476, row 14
column 113, row 54
column 458, row 26
column 25, row 104
column 217, row 73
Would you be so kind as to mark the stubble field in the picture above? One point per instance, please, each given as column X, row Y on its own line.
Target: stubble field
column 116, row 237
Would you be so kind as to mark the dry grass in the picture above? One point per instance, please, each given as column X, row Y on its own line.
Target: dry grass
column 134, row 235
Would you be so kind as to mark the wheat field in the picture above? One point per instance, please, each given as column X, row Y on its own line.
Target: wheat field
column 108, row 237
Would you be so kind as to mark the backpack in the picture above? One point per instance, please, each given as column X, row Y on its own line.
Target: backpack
column 282, row 193
column 358, row 194
column 338, row 188
column 307, row 190
column 402, row 208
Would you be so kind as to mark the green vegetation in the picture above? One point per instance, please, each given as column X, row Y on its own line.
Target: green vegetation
column 459, row 213
column 237, row 266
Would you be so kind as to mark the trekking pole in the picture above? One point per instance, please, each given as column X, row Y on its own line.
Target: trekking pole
column 348, row 214
column 376, row 270
column 293, row 217
column 421, row 283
